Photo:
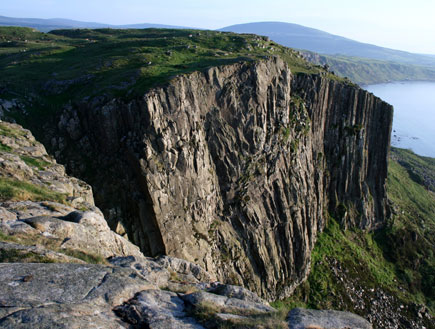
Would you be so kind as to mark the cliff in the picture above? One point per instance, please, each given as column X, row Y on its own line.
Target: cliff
column 235, row 168
column 62, row 267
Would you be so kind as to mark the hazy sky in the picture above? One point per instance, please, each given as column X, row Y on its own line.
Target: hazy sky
column 400, row 24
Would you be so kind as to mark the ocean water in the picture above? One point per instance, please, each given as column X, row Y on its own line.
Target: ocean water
column 414, row 114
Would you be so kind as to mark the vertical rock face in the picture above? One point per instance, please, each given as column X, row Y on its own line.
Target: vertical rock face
column 235, row 168
column 354, row 127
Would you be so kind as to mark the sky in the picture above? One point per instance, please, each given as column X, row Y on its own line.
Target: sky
column 399, row 24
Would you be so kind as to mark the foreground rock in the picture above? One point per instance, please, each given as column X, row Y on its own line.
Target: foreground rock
column 64, row 295
column 157, row 309
column 62, row 228
column 300, row 318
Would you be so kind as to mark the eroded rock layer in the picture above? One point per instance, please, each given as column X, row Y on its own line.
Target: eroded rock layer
column 235, row 168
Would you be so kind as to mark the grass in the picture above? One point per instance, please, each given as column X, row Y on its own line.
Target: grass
column 420, row 169
column 5, row 148
column 409, row 240
column 14, row 190
column 84, row 256
column 34, row 162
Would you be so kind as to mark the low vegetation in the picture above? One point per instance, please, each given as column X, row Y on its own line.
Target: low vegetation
column 15, row 190
column 22, row 256
column 47, row 69
column 34, row 162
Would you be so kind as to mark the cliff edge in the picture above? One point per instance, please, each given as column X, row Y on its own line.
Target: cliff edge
column 236, row 168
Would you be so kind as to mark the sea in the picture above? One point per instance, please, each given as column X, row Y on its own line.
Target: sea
column 414, row 114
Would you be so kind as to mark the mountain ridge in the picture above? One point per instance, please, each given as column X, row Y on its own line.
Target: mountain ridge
column 48, row 24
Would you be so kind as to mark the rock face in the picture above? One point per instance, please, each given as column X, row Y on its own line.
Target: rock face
column 43, row 296
column 235, row 168
column 46, row 280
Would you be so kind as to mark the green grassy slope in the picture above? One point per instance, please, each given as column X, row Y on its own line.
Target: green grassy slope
column 391, row 269
column 409, row 242
column 46, row 71
column 365, row 71
column 91, row 62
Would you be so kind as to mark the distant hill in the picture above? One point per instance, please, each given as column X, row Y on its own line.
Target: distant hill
column 45, row 25
column 366, row 71
column 301, row 37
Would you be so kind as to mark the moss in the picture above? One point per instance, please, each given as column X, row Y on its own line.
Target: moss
column 294, row 145
column 173, row 276
column 6, row 238
column 34, row 162
column 285, row 132
column 353, row 130
column 5, row 148
column 7, row 130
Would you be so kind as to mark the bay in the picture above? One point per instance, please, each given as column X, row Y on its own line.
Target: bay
column 414, row 114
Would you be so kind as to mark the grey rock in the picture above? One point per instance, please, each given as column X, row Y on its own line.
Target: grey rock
column 84, row 237
column 236, row 292
column 164, row 269
column 29, row 209
column 64, row 227
column 299, row 318
column 145, row 267
column 157, row 309
column 230, row 317
column 6, row 215
column 190, row 271
column 64, row 295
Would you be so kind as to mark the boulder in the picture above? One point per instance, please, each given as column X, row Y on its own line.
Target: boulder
column 157, row 309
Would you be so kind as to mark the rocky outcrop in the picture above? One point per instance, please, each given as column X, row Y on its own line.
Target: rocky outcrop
column 24, row 159
column 64, row 295
column 235, row 168
column 40, row 204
